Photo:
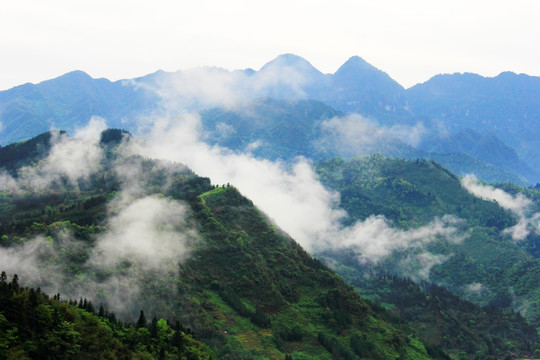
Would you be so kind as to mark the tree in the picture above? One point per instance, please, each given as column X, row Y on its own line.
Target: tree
column 142, row 320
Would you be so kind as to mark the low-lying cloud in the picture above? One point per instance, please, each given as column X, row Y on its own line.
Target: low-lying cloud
column 375, row 238
column 202, row 87
column 519, row 204
column 70, row 159
column 145, row 237
column 293, row 197
column 148, row 235
column 150, row 231
column 354, row 135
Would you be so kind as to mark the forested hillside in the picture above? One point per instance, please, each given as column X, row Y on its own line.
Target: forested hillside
column 35, row 326
column 146, row 234
column 482, row 262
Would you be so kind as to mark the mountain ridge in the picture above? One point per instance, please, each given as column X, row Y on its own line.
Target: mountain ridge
column 245, row 288
column 505, row 105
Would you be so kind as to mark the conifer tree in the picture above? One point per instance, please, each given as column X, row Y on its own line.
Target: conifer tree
column 142, row 320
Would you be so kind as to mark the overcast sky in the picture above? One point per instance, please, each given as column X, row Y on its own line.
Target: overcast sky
column 410, row 40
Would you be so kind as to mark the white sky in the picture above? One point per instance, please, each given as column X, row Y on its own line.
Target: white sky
column 410, row 40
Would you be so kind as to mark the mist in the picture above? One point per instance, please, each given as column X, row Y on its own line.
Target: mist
column 519, row 205
column 292, row 196
column 203, row 87
column 147, row 236
column 140, row 245
column 145, row 241
column 355, row 135
column 70, row 160
column 289, row 193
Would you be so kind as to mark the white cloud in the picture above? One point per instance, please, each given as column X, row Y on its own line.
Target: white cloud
column 293, row 197
column 145, row 240
column 203, row 87
column 475, row 287
column 150, row 231
column 23, row 259
column 375, row 238
column 71, row 158
column 519, row 205
column 354, row 135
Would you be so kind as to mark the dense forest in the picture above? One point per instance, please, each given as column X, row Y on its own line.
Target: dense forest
column 36, row 326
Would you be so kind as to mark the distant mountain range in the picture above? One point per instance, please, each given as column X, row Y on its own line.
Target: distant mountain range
column 285, row 129
column 488, row 121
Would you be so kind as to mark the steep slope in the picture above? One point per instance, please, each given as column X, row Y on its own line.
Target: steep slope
column 482, row 264
column 256, row 273
column 441, row 317
column 17, row 155
column 244, row 287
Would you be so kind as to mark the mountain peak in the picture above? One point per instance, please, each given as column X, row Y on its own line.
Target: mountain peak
column 288, row 59
column 72, row 78
column 356, row 62
column 291, row 61
column 76, row 75
column 354, row 66
column 357, row 69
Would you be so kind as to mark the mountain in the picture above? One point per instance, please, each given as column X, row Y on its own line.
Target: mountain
column 290, row 77
column 68, row 102
column 443, row 318
column 245, row 287
column 507, row 105
column 487, row 148
column 416, row 196
column 355, row 87
column 285, row 129
column 269, row 128
column 137, row 233
column 358, row 87
column 501, row 110
column 462, row 164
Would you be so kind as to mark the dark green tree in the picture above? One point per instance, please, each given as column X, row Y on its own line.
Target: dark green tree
column 142, row 320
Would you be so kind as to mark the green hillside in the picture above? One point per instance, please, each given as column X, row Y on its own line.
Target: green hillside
column 245, row 288
column 413, row 193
